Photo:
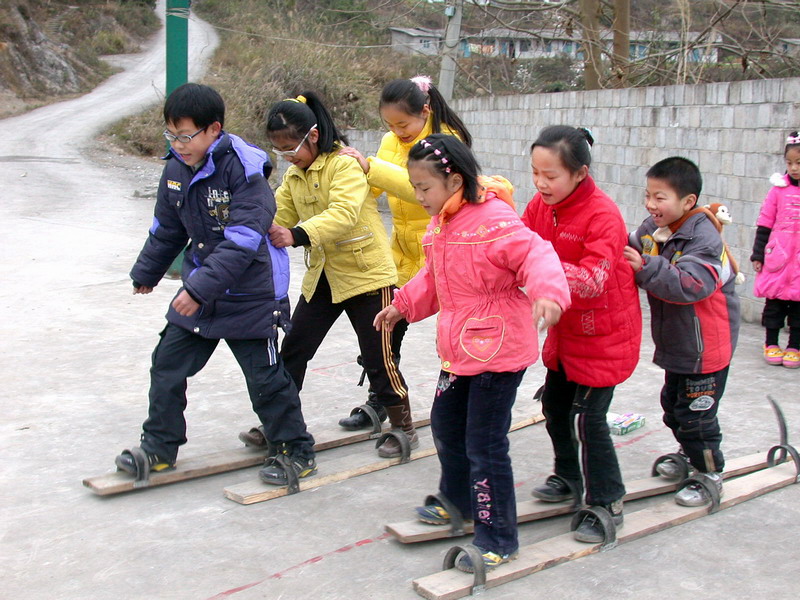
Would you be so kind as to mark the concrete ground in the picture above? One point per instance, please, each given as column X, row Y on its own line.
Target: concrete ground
column 76, row 347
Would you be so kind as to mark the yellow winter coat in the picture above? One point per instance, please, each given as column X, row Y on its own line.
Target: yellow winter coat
column 387, row 173
column 332, row 202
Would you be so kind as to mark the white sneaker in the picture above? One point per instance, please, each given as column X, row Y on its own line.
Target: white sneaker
column 695, row 494
column 670, row 469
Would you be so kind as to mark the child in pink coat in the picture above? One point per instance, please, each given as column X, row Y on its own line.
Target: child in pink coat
column 776, row 259
column 478, row 255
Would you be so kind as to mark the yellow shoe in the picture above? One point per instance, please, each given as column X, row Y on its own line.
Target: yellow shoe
column 773, row 355
column 791, row 358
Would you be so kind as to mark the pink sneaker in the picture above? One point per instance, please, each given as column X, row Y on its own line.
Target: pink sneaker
column 774, row 355
column 791, row 358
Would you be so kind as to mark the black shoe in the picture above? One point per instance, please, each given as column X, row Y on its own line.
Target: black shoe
column 126, row 461
column 358, row 419
column 554, row 489
column 273, row 472
column 590, row 530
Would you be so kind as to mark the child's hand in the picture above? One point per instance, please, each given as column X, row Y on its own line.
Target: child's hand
column 280, row 236
column 142, row 289
column 185, row 305
column 387, row 318
column 546, row 313
column 350, row 151
column 633, row 257
column 757, row 266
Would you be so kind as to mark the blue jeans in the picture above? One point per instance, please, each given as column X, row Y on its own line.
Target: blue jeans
column 576, row 422
column 470, row 419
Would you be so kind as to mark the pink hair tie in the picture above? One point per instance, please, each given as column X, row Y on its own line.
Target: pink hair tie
column 793, row 139
column 423, row 82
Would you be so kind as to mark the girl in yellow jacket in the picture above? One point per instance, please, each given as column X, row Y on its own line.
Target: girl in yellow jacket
column 412, row 109
column 325, row 205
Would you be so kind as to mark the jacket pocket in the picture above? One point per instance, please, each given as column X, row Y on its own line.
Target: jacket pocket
column 774, row 256
column 482, row 338
column 356, row 243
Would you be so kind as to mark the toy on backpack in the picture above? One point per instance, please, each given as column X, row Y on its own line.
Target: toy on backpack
column 723, row 216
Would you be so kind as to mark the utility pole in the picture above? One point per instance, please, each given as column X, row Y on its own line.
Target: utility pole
column 177, row 73
column 177, row 43
column 452, row 35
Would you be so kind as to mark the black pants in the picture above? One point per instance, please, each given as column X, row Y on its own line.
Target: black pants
column 470, row 419
column 578, row 427
column 776, row 313
column 181, row 354
column 311, row 322
column 690, row 404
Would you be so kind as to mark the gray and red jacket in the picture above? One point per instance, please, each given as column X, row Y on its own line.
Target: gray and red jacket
column 223, row 212
column 690, row 288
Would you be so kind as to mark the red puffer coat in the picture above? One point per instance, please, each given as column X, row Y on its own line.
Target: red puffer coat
column 597, row 340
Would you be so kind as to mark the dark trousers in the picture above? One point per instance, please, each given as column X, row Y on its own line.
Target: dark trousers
column 311, row 322
column 181, row 354
column 578, row 427
column 690, row 404
column 470, row 419
column 776, row 313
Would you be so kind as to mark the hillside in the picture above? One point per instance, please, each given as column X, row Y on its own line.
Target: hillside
column 50, row 49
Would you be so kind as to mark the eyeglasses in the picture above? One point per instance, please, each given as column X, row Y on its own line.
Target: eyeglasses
column 291, row 153
column 182, row 138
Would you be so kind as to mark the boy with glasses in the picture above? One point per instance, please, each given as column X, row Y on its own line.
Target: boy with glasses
column 214, row 196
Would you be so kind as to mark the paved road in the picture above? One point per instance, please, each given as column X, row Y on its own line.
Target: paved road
column 75, row 345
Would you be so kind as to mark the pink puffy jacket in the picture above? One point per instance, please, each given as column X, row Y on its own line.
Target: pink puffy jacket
column 476, row 262
column 780, row 276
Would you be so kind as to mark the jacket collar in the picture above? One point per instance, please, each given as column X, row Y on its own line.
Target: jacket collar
column 426, row 131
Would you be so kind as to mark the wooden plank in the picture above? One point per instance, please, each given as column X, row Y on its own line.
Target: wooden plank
column 117, row 482
column 414, row 531
column 255, row 491
column 452, row 584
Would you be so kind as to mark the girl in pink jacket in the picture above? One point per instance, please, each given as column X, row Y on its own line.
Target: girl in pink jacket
column 478, row 255
column 776, row 259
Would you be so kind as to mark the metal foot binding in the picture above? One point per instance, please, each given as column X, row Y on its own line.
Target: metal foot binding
column 479, row 569
column 456, row 518
column 402, row 439
column 604, row 519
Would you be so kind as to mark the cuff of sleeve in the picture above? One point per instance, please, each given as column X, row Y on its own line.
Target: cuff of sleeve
column 300, row 237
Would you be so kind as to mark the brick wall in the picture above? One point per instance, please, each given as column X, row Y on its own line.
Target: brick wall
column 733, row 131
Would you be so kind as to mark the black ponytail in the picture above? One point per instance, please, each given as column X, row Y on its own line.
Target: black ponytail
column 412, row 99
column 296, row 118
column 446, row 154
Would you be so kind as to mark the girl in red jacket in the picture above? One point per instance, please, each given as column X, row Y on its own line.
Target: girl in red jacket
column 595, row 345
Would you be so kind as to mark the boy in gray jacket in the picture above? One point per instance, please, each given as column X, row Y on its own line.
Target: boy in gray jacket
column 679, row 258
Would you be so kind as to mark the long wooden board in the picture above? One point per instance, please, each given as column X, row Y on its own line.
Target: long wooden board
column 532, row 510
column 452, row 584
column 117, row 482
column 251, row 492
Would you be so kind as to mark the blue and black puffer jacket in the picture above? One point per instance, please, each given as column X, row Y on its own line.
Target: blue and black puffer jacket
column 223, row 212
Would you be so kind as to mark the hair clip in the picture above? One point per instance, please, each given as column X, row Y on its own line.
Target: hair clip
column 437, row 152
column 425, row 144
column 792, row 140
column 447, row 170
column 423, row 82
